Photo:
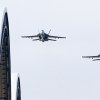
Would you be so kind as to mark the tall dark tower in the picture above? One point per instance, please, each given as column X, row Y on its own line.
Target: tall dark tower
column 5, row 66
column 18, row 92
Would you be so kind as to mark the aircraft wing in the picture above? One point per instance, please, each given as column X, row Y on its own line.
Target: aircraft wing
column 55, row 37
column 88, row 56
column 29, row 36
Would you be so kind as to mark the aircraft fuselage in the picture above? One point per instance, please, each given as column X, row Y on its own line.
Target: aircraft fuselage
column 43, row 37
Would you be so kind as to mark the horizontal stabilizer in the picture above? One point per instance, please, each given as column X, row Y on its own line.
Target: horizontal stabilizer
column 52, row 40
column 35, row 40
column 95, row 59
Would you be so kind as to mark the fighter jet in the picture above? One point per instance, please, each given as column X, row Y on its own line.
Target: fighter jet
column 43, row 37
column 93, row 57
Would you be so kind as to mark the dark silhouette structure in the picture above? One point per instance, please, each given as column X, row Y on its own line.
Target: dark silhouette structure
column 18, row 92
column 5, row 66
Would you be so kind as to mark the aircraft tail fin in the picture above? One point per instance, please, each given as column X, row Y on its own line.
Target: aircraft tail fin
column 49, row 31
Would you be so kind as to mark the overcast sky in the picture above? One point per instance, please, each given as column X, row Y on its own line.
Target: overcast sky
column 55, row 70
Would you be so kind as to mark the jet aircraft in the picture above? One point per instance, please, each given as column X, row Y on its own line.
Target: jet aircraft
column 43, row 37
column 93, row 57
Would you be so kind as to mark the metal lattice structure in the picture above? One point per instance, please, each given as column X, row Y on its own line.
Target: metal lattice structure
column 5, row 66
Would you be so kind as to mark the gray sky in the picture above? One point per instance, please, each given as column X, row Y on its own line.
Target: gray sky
column 55, row 70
